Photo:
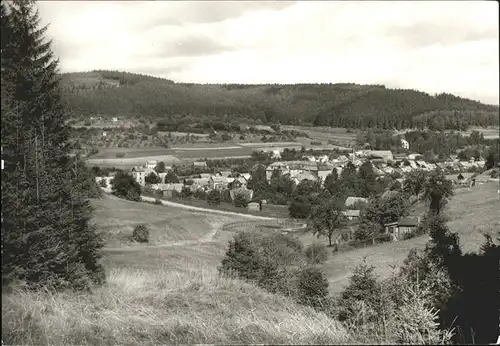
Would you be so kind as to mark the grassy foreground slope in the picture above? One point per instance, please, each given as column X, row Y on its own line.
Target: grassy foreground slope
column 165, row 292
column 169, row 291
column 141, row 308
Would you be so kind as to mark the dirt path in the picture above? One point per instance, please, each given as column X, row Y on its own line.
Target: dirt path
column 207, row 210
column 209, row 237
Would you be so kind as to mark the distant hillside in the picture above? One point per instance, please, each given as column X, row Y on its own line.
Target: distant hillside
column 110, row 93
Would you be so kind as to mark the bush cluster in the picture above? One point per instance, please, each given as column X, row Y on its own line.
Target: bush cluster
column 277, row 263
column 141, row 234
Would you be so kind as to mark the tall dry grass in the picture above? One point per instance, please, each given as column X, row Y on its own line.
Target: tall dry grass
column 148, row 307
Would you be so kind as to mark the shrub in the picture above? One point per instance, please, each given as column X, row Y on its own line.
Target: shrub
column 199, row 194
column 267, row 260
column 360, row 300
column 299, row 209
column 152, row 178
column 316, row 253
column 240, row 200
column 141, row 234
column 416, row 322
column 103, row 183
column 312, row 287
column 214, row 197
column 157, row 201
column 120, row 155
column 125, row 186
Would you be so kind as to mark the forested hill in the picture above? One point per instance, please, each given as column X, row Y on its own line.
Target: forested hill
column 110, row 93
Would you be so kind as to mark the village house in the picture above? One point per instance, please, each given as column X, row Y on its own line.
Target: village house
column 140, row 174
column 304, row 176
column 205, row 175
column 352, row 214
column 275, row 155
column 323, row 173
column 238, row 182
column 162, row 176
column 422, row 164
column 386, row 155
column 413, row 156
column 351, row 201
column 202, row 183
column 399, row 156
column 461, row 179
column 218, row 183
column 280, row 166
column 168, row 189
column 246, row 176
column 200, row 164
column 403, row 226
column 255, row 206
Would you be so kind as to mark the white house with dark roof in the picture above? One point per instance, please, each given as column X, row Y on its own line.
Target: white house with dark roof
column 151, row 164
column 350, row 201
column 140, row 174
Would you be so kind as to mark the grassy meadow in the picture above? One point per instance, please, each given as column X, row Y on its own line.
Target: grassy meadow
column 168, row 291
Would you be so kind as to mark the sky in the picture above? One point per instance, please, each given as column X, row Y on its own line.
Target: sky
column 432, row 46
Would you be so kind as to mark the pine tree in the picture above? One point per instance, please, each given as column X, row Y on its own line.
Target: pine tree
column 47, row 239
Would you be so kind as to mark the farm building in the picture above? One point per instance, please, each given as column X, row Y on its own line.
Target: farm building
column 275, row 166
column 304, row 176
column 399, row 157
column 168, row 189
column 256, row 206
column 218, row 183
column 201, row 164
column 461, row 179
column 350, row 201
column 151, row 164
column 275, row 155
column 413, row 156
column 322, row 174
column 386, row 155
column 352, row 214
column 140, row 174
column 404, row 226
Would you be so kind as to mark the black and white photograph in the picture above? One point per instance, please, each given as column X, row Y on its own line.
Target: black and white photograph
column 250, row 172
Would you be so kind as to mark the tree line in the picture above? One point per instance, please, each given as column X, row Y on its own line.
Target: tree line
column 340, row 105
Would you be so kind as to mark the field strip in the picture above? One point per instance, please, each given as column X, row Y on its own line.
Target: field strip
column 271, row 144
column 206, row 148
column 205, row 239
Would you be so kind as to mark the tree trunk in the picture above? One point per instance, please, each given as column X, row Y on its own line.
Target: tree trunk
column 329, row 240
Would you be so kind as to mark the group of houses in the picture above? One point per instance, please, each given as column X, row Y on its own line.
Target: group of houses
column 313, row 168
